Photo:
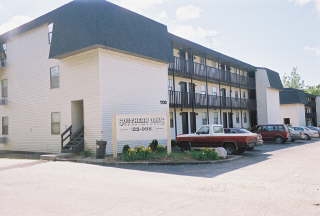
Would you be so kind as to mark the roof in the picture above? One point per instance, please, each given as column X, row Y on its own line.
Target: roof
column 101, row 23
column 274, row 78
column 292, row 96
column 178, row 41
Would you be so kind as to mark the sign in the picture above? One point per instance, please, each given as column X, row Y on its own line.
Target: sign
column 141, row 127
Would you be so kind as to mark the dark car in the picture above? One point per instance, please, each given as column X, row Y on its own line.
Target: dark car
column 278, row 133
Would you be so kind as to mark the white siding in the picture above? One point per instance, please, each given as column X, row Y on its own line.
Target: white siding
column 130, row 85
column 31, row 100
column 296, row 113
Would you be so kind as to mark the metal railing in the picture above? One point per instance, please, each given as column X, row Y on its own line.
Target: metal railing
column 189, row 68
column 198, row 100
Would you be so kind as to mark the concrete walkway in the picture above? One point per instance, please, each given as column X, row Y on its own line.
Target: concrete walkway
column 273, row 180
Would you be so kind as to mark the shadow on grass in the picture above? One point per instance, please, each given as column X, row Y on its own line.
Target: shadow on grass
column 261, row 153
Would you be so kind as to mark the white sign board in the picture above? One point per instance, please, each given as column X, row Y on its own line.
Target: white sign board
column 142, row 127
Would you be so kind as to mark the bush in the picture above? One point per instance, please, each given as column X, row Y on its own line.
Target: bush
column 161, row 149
column 125, row 149
column 205, row 155
column 175, row 147
column 86, row 153
column 154, row 145
column 138, row 153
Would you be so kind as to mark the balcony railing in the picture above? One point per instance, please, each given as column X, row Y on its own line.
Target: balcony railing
column 3, row 100
column 189, row 68
column 196, row 100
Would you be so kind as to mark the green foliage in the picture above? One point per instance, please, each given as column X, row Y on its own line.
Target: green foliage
column 154, row 145
column 86, row 153
column 293, row 80
column 125, row 149
column 205, row 155
column 138, row 153
column 161, row 149
column 314, row 90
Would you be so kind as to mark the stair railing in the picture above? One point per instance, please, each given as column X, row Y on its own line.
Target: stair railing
column 66, row 135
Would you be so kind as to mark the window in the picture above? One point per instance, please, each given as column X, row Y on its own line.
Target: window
column 203, row 90
column 54, row 77
column 5, row 125
column 55, row 123
column 4, row 88
column 244, row 95
column 204, row 118
column 217, row 129
column 204, row 130
column 237, row 117
column 170, row 85
column 216, row 118
column 214, row 91
column 236, row 94
column 245, row 119
column 171, row 120
column 50, row 30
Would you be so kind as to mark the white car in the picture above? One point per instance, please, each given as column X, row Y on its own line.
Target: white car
column 308, row 132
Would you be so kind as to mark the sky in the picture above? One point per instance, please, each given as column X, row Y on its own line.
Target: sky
column 277, row 34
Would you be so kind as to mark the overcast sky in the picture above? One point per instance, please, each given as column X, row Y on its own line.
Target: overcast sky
column 278, row 34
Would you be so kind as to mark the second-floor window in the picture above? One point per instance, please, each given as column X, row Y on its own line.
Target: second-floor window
column 204, row 118
column 245, row 118
column 5, row 125
column 54, row 77
column 236, row 94
column 170, row 85
column 244, row 95
column 214, row 91
column 50, row 30
column 237, row 117
column 215, row 118
column 171, row 120
column 4, row 88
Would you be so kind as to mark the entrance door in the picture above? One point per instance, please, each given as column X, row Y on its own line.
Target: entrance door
column 225, row 120
column 230, row 119
column 193, row 122
column 77, row 115
column 185, row 123
column 223, row 97
column 184, row 93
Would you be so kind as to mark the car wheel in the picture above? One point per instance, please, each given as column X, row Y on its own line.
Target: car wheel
column 250, row 148
column 279, row 140
column 230, row 148
column 308, row 137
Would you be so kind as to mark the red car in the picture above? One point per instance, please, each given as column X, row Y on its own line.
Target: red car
column 278, row 133
column 209, row 136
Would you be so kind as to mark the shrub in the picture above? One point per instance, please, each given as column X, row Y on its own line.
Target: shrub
column 161, row 149
column 125, row 149
column 138, row 153
column 154, row 145
column 175, row 147
column 86, row 153
column 204, row 155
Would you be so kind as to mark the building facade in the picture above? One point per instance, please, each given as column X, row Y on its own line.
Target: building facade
column 88, row 60
column 298, row 108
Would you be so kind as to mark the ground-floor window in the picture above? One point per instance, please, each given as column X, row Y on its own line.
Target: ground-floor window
column 245, row 118
column 55, row 123
column 5, row 125
column 237, row 117
column 204, row 118
column 216, row 118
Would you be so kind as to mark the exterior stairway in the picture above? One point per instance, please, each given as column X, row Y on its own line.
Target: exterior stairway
column 76, row 141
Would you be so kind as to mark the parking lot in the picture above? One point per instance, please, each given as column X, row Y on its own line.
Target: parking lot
column 274, row 179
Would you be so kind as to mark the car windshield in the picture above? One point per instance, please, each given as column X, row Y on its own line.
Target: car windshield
column 203, row 130
column 298, row 129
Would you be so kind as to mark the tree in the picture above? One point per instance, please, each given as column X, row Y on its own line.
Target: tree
column 293, row 80
column 314, row 90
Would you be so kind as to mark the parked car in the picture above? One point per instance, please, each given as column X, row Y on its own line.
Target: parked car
column 278, row 133
column 314, row 128
column 209, row 136
column 296, row 135
column 242, row 130
column 308, row 133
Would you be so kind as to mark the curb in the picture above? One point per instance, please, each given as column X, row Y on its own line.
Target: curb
column 147, row 163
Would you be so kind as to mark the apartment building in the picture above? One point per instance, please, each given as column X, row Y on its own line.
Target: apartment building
column 298, row 108
column 65, row 75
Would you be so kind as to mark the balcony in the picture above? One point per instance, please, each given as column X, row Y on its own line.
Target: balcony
column 3, row 100
column 192, row 69
column 196, row 100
